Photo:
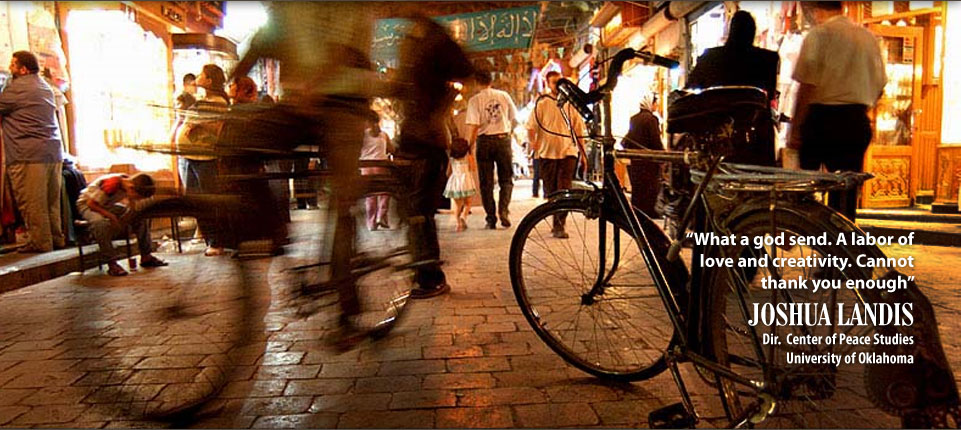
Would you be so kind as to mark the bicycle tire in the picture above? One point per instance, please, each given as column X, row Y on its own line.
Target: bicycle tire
column 818, row 396
column 631, row 356
column 382, row 266
column 374, row 263
column 161, row 342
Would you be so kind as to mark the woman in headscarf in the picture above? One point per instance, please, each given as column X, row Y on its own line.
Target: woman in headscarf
column 739, row 62
column 645, row 176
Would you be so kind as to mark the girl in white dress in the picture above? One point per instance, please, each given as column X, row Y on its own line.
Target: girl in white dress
column 460, row 185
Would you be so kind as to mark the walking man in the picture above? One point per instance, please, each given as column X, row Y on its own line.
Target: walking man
column 558, row 154
column 31, row 142
column 490, row 117
column 841, row 75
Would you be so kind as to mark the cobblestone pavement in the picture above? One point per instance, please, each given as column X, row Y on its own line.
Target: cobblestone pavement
column 466, row 359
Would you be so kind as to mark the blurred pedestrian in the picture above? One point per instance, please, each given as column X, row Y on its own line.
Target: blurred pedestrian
column 376, row 148
column 645, row 176
column 841, row 75
column 32, row 152
column 242, row 90
column 549, row 135
column 491, row 115
column 263, row 221
column 430, row 61
column 197, row 139
column 535, row 173
column 185, row 100
column 739, row 62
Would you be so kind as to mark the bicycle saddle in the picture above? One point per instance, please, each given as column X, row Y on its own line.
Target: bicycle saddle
column 706, row 110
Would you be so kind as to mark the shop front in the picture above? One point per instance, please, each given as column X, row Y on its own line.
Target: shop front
column 907, row 118
column 648, row 28
column 125, row 84
column 948, row 178
column 124, row 53
column 903, row 155
column 911, row 161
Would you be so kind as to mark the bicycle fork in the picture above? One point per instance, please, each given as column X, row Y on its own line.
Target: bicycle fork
column 603, row 274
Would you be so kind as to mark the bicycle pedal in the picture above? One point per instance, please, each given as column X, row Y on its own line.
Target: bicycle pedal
column 671, row 416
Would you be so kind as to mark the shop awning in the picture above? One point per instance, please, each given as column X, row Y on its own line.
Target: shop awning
column 207, row 42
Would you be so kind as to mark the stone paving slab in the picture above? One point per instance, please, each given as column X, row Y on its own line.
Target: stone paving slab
column 466, row 359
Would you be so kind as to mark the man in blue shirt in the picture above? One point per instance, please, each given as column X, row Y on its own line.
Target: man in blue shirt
column 32, row 154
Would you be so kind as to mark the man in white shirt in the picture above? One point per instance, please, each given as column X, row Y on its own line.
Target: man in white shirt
column 841, row 75
column 558, row 154
column 490, row 118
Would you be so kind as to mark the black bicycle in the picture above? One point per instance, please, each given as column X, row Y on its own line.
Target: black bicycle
column 616, row 300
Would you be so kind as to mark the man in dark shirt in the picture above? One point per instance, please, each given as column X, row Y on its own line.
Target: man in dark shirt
column 739, row 62
column 430, row 61
column 32, row 154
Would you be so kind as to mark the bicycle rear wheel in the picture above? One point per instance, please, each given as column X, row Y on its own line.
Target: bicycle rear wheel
column 381, row 265
column 162, row 341
column 818, row 395
column 619, row 334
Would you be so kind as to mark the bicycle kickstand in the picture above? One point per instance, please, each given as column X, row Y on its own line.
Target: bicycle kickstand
column 677, row 415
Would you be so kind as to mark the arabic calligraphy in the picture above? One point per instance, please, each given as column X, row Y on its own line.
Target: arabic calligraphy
column 479, row 31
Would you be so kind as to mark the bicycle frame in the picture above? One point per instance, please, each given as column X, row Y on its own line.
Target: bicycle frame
column 726, row 198
column 685, row 345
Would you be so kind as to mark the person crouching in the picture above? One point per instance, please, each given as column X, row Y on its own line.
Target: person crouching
column 102, row 204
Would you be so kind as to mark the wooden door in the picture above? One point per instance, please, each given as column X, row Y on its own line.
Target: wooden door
column 892, row 157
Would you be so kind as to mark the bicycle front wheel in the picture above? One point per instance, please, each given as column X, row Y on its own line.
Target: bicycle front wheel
column 590, row 296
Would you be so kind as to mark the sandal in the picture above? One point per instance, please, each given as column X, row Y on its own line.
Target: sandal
column 116, row 270
column 426, row 293
column 214, row 252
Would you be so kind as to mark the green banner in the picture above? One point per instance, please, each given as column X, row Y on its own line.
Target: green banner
column 478, row 31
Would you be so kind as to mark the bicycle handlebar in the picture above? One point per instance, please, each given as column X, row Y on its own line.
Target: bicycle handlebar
column 568, row 92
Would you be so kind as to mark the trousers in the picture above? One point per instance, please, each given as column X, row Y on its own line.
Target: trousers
column 104, row 231
column 495, row 151
column 558, row 175
column 36, row 189
column 836, row 136
column 425, row 180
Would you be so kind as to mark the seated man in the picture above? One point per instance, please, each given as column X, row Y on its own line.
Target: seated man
column 100, row 204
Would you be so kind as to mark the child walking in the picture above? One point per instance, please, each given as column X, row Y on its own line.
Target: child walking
column 460, row 185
